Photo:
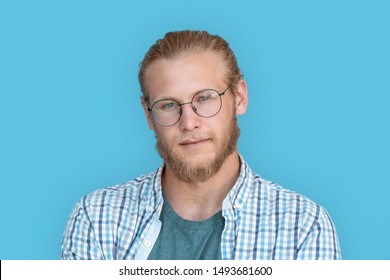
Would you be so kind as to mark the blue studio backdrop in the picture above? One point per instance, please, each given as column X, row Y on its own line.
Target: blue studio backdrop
column 71, row 122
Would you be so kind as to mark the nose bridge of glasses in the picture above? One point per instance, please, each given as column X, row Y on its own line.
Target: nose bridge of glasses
column 185, row 103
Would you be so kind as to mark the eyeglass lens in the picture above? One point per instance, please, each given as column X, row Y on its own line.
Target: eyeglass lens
column 206, row 103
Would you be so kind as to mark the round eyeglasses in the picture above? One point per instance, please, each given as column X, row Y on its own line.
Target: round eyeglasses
column 205, row 103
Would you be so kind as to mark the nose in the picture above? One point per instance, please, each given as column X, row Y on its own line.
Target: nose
column 189, row 119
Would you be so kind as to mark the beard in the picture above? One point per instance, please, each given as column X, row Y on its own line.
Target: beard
column 189, row 172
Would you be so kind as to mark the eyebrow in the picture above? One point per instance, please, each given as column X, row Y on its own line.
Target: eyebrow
column 176, row 100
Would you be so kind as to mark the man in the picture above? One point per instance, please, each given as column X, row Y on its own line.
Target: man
column 204, row 202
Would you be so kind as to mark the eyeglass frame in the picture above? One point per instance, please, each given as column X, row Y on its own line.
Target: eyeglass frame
column 150, row 109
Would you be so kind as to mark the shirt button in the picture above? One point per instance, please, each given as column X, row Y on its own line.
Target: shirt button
column 238, row 206
column 148, row 243
column 149, row 209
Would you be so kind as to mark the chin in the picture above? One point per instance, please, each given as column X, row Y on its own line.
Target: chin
column 197, row 158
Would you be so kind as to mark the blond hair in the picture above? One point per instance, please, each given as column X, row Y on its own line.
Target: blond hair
column 190, row 41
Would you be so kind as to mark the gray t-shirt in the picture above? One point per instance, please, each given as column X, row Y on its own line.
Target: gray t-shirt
column 181, row 239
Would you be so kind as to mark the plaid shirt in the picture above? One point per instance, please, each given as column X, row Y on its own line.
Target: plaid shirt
column 262, row 221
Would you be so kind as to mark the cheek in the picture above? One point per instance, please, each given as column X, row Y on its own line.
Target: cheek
column 164, row 135
column 222, row 126
column 226, row 115
column 219, row 129
column 228, row 106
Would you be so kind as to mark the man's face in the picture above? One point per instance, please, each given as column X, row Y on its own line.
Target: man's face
column 195, row 147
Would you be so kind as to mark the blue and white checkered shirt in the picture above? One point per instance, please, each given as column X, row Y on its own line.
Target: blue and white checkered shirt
column 262, row 221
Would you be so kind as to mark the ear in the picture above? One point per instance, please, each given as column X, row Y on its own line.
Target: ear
column 147, row 113
column 241, row 96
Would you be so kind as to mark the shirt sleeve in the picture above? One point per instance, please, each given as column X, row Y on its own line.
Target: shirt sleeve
column 321, row 241
column 79, row 241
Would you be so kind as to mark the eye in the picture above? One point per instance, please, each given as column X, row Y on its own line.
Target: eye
column 205, row 96
column 166, row 105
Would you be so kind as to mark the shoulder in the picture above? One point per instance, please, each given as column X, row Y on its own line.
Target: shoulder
column 274, row 192
column 122, row 195
column 281, row 202
column 270, row 196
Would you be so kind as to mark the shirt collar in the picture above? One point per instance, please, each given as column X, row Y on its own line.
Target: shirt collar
column 242, row 188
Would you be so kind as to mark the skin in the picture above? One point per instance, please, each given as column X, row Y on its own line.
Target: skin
column 194, row 139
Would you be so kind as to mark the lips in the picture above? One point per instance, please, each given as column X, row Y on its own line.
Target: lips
column 193, row 142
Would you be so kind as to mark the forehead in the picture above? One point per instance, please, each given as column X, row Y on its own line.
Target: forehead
column 183, row 75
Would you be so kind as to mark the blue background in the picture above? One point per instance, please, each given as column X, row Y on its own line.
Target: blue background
column 318, row 119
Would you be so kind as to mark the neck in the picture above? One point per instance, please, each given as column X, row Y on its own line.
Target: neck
column 197, row 201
